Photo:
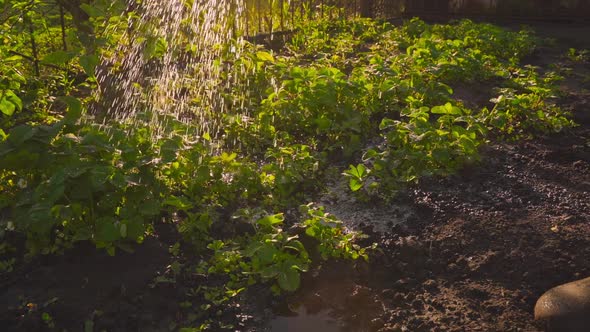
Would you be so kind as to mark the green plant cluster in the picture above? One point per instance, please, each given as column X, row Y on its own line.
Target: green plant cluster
column 272, row 254
column 399, row 81
column 69, row 182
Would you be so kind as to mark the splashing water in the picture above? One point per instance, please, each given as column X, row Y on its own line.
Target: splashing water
column 169, row 63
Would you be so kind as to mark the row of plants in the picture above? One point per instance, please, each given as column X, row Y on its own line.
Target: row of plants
column 340, row 82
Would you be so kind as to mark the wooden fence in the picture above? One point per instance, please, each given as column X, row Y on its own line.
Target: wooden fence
column 267, row 16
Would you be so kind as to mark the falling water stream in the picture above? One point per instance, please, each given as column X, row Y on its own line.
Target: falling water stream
column 169, row 62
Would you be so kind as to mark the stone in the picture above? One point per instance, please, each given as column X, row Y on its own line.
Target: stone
column 565, row 308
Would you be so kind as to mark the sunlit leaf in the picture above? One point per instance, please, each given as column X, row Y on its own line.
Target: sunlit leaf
column 264, row 56
column 271, row 220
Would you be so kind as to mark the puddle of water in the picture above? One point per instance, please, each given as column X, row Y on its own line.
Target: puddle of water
column 340, row 201
column 302, row 321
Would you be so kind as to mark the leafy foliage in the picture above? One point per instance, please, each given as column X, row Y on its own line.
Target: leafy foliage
column 70, row 182
column 358, row 92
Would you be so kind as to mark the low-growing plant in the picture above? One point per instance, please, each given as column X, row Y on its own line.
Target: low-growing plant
column 273, row 255
column 269, row 255
column 579, row 56
column 69, row 182
column 425, row 142
column 334, row 240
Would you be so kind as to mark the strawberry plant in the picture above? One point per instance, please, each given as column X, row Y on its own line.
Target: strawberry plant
column 268, row 255
column 77, row 183
column 334, row 240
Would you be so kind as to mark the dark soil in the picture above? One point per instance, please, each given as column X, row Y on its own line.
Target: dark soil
column 479, row 249
column 492, row 239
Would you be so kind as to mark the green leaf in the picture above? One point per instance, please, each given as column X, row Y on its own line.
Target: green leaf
column 7, row 107
column 58, row 58
column 169, row 150
column 266, row 254
column 151, row 207
column 355, row 184
column 99, row 175
column 135, row 229
column 311, row 231
column 20, row 134
column 13, row 58
column 40, row 215
column 226, row 158
column 106, row 231
column 55, row 191
column 10, row 103
column 74, row 108
column 360, row 171
column 387, row 123
column 92, row 11
column 155, row 47
column 88, row 326
column 271, row 220
column 89, row 63
column 357, row 175
column 179, row 202
column 264, row 56
column 323, row 123
column 448, row 108
column 289, row 279
column 83, row 234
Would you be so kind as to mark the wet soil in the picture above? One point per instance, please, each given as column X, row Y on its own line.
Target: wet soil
column 471, row 252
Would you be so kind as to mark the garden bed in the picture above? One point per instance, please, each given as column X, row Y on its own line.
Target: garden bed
column 470, row 251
